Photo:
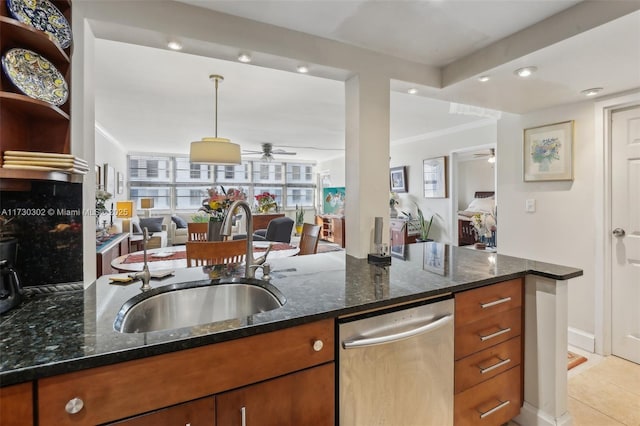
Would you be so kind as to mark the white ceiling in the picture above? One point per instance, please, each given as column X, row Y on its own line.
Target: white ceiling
column 157, row 100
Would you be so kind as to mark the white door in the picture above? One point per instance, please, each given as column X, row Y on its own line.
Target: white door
column 625, row 235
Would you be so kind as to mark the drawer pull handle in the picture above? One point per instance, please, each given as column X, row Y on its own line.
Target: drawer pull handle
column 318, row 345
column 243, row 416
column 494, row 366
column 494, row 409
column 74, row 405
column 495, row 302
column 496, row 334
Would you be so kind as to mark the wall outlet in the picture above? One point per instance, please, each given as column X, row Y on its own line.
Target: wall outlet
column 530, row 206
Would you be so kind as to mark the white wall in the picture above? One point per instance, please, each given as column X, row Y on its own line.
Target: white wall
column 474, row 175
column 562, row 228
column 412, row 154
column 108, row 151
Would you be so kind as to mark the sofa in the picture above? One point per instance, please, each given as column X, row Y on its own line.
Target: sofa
column 178, row 234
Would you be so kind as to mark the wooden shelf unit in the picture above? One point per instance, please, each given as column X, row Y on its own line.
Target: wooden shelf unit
column 331, row 228
column 29, row 124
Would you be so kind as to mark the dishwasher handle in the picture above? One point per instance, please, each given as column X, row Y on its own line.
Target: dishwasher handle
column 390, row 338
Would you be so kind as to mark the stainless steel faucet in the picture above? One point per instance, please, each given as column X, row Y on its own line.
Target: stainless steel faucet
column 250, row 268
column 144, row 275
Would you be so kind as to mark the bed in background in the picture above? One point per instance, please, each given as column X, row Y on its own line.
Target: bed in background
column 480, row 204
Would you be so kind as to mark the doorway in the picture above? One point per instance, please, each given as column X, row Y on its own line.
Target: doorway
column 471, row 172
column 625, row 233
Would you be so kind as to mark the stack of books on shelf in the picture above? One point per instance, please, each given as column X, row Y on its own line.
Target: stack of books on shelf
column 44, row 161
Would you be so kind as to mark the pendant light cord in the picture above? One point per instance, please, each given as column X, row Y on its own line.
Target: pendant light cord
column 216, row 78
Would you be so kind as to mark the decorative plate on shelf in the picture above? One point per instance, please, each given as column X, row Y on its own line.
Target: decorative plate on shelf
column 44, row 16
column 35, row 76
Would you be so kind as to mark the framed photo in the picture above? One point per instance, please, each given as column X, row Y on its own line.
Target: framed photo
column 109, row 179
column 398, row 179
column 120, row 179
column 436, row 258
column 435, row 177
column 399, row 251
column 548, row 152
column 98, row 176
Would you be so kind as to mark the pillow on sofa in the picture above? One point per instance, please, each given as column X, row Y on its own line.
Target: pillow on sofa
column 153, row 224
column 180, row 222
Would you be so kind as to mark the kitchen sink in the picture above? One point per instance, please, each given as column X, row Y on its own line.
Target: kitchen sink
column 195, row 303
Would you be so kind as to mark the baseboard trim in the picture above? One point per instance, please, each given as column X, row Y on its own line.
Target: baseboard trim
column 531, row 416
column 581, row 339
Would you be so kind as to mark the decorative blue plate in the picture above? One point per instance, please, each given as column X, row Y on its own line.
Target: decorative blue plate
column 35, row 76
column 44, row 16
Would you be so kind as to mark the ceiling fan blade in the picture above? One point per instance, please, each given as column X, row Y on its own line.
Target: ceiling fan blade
column 283, row 152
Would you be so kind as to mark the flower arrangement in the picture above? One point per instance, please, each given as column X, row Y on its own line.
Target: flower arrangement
column 266, row 201
column 215, row 207
column 484, row 225
column 545, row 151
column 101, row 199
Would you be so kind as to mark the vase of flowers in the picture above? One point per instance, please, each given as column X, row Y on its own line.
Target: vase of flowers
column 215, row 208
column 393, row 202
column 266, row 201
column 101, row 198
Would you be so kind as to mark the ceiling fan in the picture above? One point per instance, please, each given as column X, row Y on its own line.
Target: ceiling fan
column 491, row 155
column 268, row 152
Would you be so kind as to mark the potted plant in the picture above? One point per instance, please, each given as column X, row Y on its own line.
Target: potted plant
column 425, row 226
column 299, row 220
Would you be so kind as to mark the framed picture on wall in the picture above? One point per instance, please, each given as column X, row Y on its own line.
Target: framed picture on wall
column 98, row 176
column 434, row 177
column 109, row 179
column 120, row 183
column 548, row 152
column 398, row 179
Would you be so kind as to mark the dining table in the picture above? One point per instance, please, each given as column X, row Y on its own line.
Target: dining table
column 175, row 257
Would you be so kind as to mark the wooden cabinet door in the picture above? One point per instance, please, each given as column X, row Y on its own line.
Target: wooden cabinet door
column 303, row 398
column 16, row 405
column 195, row 413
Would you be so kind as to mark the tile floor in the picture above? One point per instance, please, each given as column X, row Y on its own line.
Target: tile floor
column 604, row 392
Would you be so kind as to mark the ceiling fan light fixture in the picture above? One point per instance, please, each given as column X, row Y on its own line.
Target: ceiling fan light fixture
column 492, row 156
column 215, row 150
column 525, row 71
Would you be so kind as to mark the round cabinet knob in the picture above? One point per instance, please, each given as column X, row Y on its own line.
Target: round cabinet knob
column 74, row 405
column 618, row 232
column 318, row 345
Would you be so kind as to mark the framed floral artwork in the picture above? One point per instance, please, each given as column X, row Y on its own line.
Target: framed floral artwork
column 398, row 178
column 548, row 152
column 435, row 177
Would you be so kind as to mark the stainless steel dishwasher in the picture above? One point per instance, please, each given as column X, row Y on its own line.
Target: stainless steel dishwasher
column 396, row 366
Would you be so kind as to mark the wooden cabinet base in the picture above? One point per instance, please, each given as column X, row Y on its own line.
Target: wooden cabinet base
column 16, row 405
column 195, row 413
column 304, row 398
column 493, row 402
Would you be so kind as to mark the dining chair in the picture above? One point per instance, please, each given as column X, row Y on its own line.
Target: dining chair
column 201, row 253
column 309, row 239
column 197, row 231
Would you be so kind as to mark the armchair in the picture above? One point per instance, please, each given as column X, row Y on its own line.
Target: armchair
column 278, row 230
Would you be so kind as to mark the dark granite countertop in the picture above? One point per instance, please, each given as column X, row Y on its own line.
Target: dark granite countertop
column 64, row 332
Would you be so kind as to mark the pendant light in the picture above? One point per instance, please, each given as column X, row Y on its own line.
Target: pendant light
column 215, row 150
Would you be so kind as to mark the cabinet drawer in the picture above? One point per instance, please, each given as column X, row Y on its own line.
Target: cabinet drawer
column 486, row 364
column 111, row 392
column 493, row 402
column 482, row 302
column 487, row 332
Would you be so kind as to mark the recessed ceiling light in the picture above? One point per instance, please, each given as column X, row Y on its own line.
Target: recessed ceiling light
column 412, row 91
column 592, row 92
column 303, row 69
column 174, row 45
column 244, row 57
column 525, row 72
column 484, row 78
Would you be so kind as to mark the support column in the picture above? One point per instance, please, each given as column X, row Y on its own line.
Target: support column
column 366, row 160
column 545, row 353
